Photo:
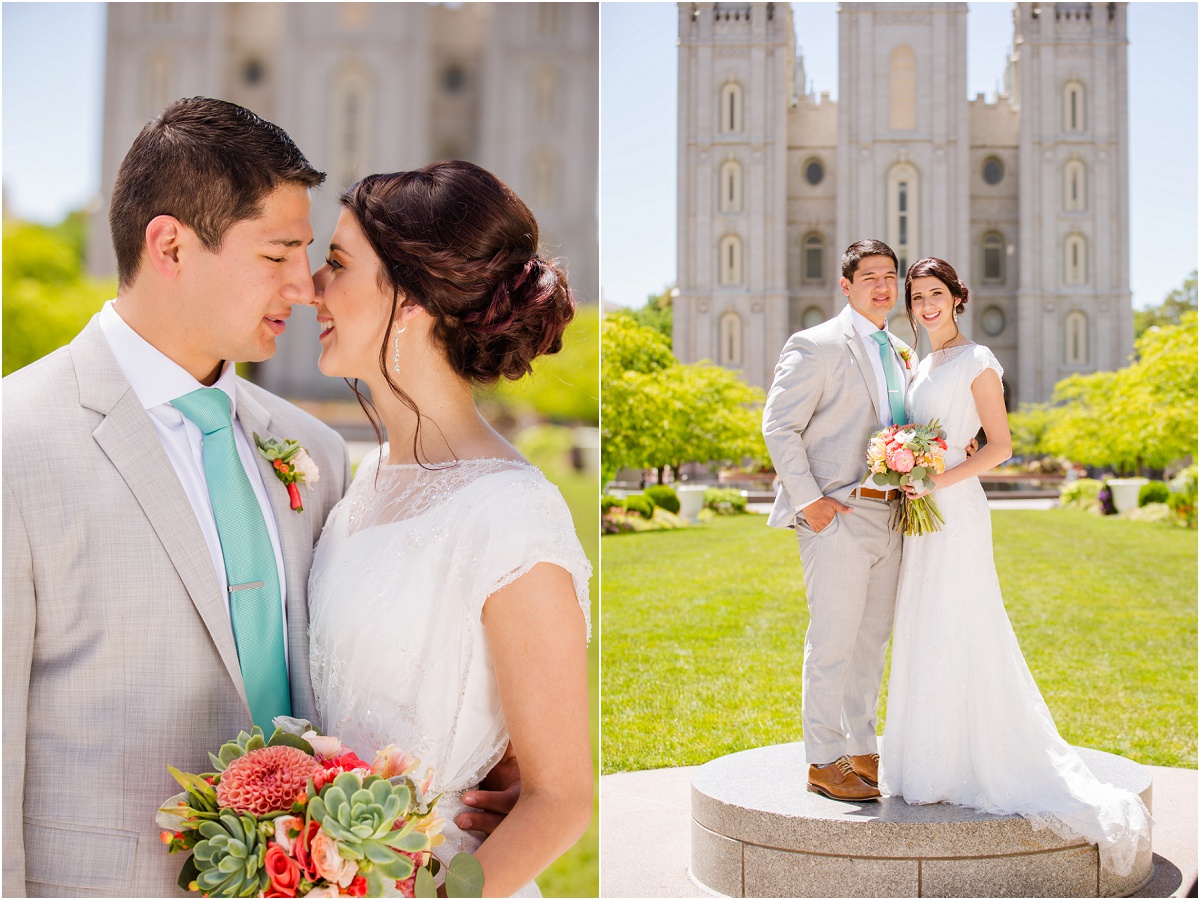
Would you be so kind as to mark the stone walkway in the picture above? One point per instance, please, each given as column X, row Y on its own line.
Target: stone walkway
column 645, row 834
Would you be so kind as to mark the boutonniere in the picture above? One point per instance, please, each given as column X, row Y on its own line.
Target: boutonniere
column 293, row 466
column 906, row 355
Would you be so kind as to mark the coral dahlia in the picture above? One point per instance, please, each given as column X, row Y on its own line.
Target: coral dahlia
column 267, row 780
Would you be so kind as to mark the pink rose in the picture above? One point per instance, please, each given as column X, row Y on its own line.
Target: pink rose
column 329, row 862
column 901, row 460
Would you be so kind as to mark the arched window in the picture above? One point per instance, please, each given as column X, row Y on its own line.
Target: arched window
column 732, row 109
column 1075, row 186
column 730, row 261
column 1074, row 107
column 993, row 256
column 351, row 123
column 813, row 258
column 731, row 186
column 903, row 89
column 1075, row 263
column 813, row 316
column 1076, row 334
column 730, row 332
column 903, row 194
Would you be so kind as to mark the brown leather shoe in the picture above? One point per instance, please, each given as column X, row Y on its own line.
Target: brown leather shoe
column 867, row 768
column 838, row 781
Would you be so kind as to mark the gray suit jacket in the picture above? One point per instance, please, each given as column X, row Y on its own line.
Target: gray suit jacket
column 820, row 412
column 119, row 656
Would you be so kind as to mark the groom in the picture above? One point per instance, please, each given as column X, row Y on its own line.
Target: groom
column 834, row 386
column 155, row 573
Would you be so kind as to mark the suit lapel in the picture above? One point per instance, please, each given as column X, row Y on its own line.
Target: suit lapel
column 128, row 438
column 860, row 358
column 295, row 540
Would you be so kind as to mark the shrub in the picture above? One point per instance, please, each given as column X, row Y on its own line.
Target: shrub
column 725, row 501
column 1151, row 512
column 639, row 504
column 1184, row 507
column 664, row 497
column 1080, row 494
column 607, row 502
column 1154, row 492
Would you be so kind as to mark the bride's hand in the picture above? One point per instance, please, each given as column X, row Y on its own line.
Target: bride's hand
column 913, row 491
column 494, row 799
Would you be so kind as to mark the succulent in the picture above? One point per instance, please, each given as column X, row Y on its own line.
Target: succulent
column 360, row 814
column 231, row 750
column 230, row 857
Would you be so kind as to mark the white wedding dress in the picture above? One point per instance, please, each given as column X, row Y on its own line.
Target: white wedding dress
column 965, row 721
column 398, row 584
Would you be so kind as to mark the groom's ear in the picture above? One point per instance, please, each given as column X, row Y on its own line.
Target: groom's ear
column 164, row 236
column 844, row 284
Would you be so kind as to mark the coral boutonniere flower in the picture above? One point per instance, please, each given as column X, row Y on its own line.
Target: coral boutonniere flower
column 293, row 466
column 906, row 355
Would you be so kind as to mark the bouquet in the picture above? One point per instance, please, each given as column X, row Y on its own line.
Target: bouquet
column 300, row 815
column 909, row 454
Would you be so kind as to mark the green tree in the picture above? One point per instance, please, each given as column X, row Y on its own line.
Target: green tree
column 1170, row 311
column 1029, row 425
column 658, row 412
column 1140, row 416
column 47, row 298
column 656, row 313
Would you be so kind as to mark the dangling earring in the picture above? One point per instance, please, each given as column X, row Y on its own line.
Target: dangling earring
column 396, row 354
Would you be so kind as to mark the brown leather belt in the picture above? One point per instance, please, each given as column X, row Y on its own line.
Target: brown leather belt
column 873, row 494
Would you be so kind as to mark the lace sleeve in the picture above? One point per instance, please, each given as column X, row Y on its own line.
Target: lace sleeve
column 526, row 524
column 985, row 359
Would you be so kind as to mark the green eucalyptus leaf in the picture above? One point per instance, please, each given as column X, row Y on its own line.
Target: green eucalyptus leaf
column 918, row 473
column 464, row 877
column 426, row 887
column 283, row 739
column 880, row 478
column 894, row 479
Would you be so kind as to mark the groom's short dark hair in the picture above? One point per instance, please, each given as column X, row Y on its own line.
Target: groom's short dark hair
column 859, row 250
column 209, row 163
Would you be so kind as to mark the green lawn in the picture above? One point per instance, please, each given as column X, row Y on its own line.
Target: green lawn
column 704, row 635
column 577, row 873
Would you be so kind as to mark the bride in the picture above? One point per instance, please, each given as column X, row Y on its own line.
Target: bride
column 448, row 597
column 965, row 722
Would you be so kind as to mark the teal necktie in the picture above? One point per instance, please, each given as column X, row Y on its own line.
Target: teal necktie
column 891, row 376
column 254, row 600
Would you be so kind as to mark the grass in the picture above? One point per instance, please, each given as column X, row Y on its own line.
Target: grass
column 577, row 872
column 704, row 635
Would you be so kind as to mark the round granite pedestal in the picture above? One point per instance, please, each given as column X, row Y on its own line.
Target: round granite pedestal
column 758, row 832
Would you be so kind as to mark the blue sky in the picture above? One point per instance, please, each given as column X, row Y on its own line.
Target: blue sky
column 638, row 133
column 53, row 64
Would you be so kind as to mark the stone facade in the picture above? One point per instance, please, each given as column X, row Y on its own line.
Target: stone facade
column 1026, row 195
column 377, row 87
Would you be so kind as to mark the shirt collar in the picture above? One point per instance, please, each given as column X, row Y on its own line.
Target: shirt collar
column 865, row 326
column 156, row 379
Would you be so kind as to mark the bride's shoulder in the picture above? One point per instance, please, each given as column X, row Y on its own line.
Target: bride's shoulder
column 512, row 487
column 985, row 359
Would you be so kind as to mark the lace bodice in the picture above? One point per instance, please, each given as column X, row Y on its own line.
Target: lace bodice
column 399, row 580
column 942, row 390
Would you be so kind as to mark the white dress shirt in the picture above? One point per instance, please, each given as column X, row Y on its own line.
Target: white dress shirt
column 865, row 328
column 157, row 380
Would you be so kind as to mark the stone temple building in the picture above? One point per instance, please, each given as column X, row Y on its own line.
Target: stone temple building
column 1027, row 195
column 377, row 87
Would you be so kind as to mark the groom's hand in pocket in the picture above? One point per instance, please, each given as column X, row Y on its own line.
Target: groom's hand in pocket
column 494, row 798
column 820, row 513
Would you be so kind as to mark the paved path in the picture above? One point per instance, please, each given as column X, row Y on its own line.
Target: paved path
column 645, row 834
column 765, row 508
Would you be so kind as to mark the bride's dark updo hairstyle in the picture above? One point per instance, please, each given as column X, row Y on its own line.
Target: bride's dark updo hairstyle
column 457, row 241
column 933, row 267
